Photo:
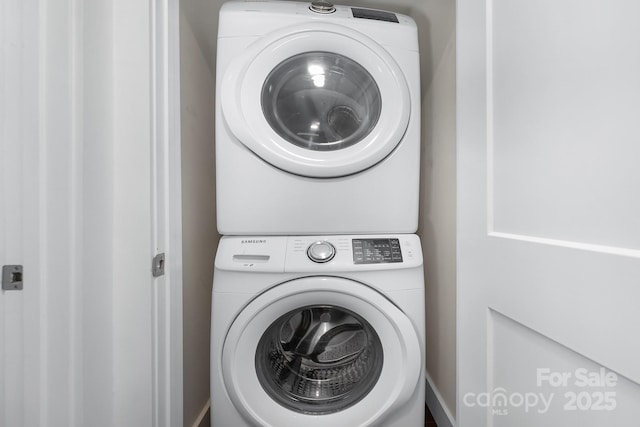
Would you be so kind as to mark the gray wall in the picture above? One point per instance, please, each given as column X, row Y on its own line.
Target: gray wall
column 200, row 238
column 436, row 22
column 438, row 225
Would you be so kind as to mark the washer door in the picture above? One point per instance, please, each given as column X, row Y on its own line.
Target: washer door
column 320, row 351
column 318, row 100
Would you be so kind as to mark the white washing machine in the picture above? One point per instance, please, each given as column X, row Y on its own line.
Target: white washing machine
column 317, row 120
column 317, row 333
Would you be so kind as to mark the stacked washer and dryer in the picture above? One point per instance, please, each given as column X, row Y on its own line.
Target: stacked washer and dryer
column 318, row 293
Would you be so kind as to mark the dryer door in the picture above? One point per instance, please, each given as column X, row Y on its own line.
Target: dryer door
column 319, row 100
column 320, row 351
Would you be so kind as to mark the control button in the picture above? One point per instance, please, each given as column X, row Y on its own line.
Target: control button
column 322, row 6
column 321, row 251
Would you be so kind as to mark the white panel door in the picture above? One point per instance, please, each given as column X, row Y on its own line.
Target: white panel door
column 39, row 329
column 549, row 213
column 89, row 193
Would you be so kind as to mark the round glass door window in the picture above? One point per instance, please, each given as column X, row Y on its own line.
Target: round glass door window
column 321, row 101
column 319, row 359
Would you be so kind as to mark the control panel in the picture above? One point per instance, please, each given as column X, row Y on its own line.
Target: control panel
column 326, row 7
column 357, row 253
column 319, row 253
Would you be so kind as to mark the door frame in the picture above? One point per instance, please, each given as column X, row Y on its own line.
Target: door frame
column 94, row 94
column 166, row 212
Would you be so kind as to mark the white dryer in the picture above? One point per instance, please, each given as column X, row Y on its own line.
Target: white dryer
column 317, row 333
column 317, row 120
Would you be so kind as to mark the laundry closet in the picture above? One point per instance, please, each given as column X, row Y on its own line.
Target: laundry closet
column 526, row 212
column 109, row 224
column 435, row 22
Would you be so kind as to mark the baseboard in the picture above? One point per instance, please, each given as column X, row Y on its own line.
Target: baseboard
column 438, row 408
column 204, row 418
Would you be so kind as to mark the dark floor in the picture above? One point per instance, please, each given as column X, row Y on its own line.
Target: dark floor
column 429, row 421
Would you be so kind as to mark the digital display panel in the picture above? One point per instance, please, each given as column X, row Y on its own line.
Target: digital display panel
column 378, row 15
column 376, row 251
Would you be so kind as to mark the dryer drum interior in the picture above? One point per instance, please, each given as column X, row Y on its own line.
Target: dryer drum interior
column 321, row 101
column 319, row 359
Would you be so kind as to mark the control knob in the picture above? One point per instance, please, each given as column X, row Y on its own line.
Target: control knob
column 321, row 251
column 322, row 6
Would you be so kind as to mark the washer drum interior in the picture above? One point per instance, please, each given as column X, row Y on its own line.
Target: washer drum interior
column 319, row 359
